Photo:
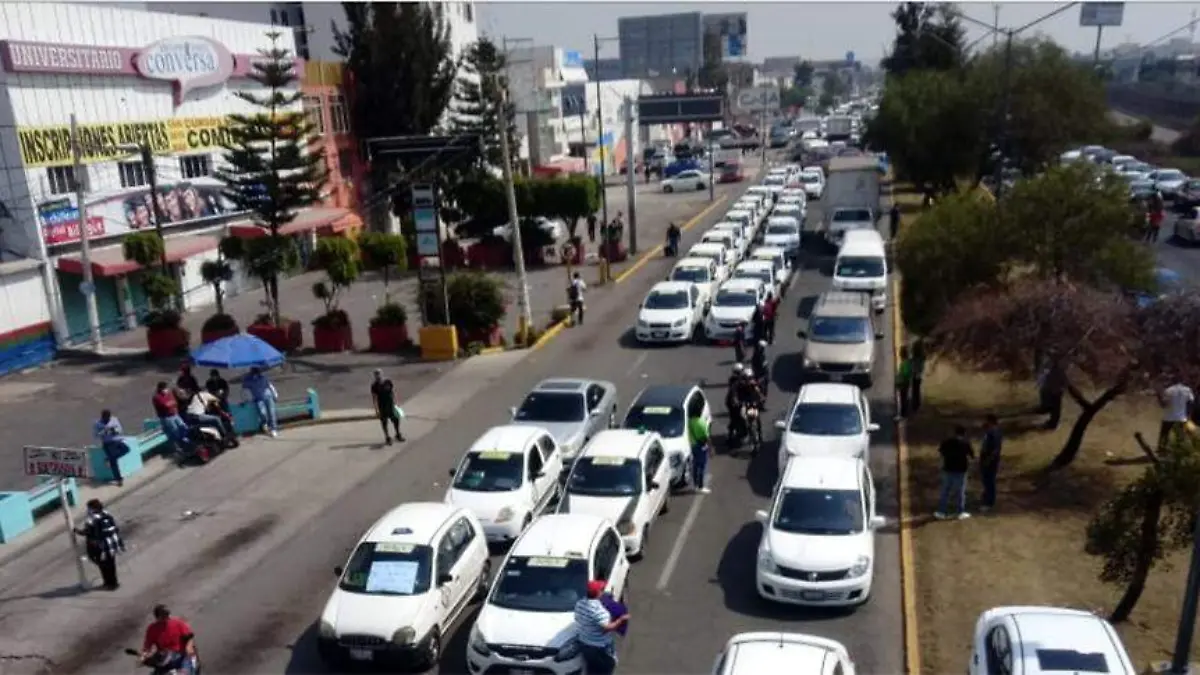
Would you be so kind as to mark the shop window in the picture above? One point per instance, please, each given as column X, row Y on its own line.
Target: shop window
column 62, row 179
column 133, row 174
column 195, row 166
column 346, row 164
column 312, row 108
column 339, row 117
column 283, row 18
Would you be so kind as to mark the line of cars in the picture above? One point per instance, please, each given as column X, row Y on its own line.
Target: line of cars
column 1144, row 178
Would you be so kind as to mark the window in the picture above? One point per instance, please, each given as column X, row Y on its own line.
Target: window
column 868, row 498
column 283, row 18
column 461, row 536
column 132, row 174
column 654, row 460
column 606, row 555
column 195, row 166
column 446, row 554
column 469, row 12
column 274, row 18
column 999, row 651
column 62, row 179
column 548, row 446
column 312, row 108
column 595, row 394
column 339, row 117
column 535, row 463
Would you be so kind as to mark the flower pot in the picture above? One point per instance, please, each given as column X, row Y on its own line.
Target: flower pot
column 207, row 336
column 285, row 338
column 615, row 252
column 388, row 339
column 330, row 339
column 167, row 342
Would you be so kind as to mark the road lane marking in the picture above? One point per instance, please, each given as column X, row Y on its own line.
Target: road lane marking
column 637, row 363
column 657, row 250
column 680, row 540
column 548, row 335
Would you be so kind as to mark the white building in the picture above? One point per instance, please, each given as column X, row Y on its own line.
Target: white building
column 536, row 79
column 130, row 77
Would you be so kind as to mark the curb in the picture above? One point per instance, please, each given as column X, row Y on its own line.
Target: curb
column 657, row 250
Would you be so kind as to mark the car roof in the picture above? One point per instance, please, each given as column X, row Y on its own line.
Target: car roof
column 841, row 303
column 1063, row 628
column 738, row 212
column 671, row 287
column 783, row 220
column 563, row 384
column 723, row 234
column 822, row 472
column 764, row 252
column 695, row 262
column 560, row 534
column 828, row 392
column 860, row 246
column 777, row 652
column 664, row 395
column 726, row 226
column 707, row 247
column 618, row 443
column 411, row 523
column 756, row 263
column 506, row 437
column 742, row 284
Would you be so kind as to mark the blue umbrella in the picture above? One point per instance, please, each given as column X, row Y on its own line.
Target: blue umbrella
column 237, row 351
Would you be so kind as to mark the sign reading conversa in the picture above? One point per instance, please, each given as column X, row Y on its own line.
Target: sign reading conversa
column 188, row 62
column 51, row 146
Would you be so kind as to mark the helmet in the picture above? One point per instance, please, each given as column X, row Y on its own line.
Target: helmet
column 737, row 368
column 762, row 343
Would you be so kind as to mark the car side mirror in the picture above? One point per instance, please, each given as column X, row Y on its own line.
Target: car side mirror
column 872, row 427
column 878, row 335
column 781, row 425
column 452, row 471
column 761, row 516
column 878, row 522
column 444, row 579
column 595, row 412
column 338, row 571
column 512, row 412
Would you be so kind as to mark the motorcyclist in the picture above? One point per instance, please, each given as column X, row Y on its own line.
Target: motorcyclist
column 196, row 411
column 205, row 408
column 170, row 644
column 733, row 406
column 758, row 366
column 673, row 235
column 749, row 395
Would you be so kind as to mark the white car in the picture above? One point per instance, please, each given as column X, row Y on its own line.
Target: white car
column 818, row 540
column 827, row 419
column 814, row 184
column 775, row 184
column 555, row 229
column 723, row 255
column 740, row 240
column 762, row 270
column 729, row 238
column 528, row 620
column 703, row 273
column 1028, row 640
column 789, row 210
column 408, row 580
column 734, row 304
column 507, row 478
column 795, row 195
column 780, row 260
column 665, row 409
column 815, row 168
column 746, row 219
column 761, row 200
column 758, row 211
column 759, row 653
column 764, row 190
column 685, row 181
column 783, row 232
column 623, row 476
column 671, row 312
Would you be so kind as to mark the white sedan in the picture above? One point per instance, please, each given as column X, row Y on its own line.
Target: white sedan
column 554, row 229
column 670, row 313
column 814, row 184
column 683, row 181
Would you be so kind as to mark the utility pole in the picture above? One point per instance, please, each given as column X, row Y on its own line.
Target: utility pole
column 1005, row 111
column 583, row 132
column 1096, row 53
column 600, row 131
column 995, row 23
column 712, row 163
column 1187, row 616
column 88, row 287
column 630, row 178
column 525, row 321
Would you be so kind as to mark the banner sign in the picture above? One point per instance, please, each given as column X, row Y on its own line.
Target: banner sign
column 56, row 462
column 60, row 222
column 188, row 63
column 51, row 146
column 1100, row 14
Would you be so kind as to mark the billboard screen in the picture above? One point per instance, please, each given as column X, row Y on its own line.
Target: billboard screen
column 731, row 29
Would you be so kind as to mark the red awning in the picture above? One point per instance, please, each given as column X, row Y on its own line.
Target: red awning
column 306, row 221
column 110, row 261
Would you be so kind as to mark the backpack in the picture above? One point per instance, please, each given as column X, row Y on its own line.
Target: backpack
column 573, row 293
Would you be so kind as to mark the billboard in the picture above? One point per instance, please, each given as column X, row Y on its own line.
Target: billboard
column 51, row 146
column 1101, row 14
column 758, row 99
column 731, row 29
column 679, row 108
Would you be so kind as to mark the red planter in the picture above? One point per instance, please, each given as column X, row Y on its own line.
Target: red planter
column 388, row 339
column 578, row 258
column 615, row 252
column 167, row 342
column 207, row 336
column 286, row 338
column 493, row 337
column 330, row 340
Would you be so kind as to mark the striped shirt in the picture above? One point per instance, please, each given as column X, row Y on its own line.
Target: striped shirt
column 590, row 619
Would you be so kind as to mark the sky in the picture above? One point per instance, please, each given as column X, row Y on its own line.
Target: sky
column 818, row 30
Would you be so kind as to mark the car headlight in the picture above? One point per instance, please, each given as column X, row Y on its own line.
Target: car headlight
column 326, row 630
column 860, row 566
column 506, row 514
column 765, row 561
column 680, row 323
column 626, row 528
column 404, row 636
column 865, row 365
column 567, row 652
column 478, row 644
column 642, row 323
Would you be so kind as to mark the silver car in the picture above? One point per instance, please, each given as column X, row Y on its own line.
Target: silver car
column 571, row 409
column 840, row 339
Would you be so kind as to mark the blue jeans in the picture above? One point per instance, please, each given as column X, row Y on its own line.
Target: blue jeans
column 953, row 485
column 699, row 464
column 266, row 412
column 175, row 429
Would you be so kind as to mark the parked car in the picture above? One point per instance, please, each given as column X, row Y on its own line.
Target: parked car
column 571, row 409
column 691, row 179
column 664, row 409
column 554, row 228
column 757, row 653
column 1168, row 181
column 1020, row 640
column 827, row 419
column 671, row 312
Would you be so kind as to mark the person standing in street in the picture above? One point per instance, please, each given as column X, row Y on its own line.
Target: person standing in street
column 956, row 455
column 701, row 442
column 591, row 228
column 904, row 379
column 107, row 430
column 383, row 396
column 103, row 542
column 770, row 307
column 1177, row 401
column 257, row 386
column 575, row 298
column 989, row 461
column 594, row 628
column 1154, row 217
column 918, row 374
column 739, row 343
column 894, row 220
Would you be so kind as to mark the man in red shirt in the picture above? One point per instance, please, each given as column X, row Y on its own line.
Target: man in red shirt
column 770, row 308
column 169, row 641
column 166, row 408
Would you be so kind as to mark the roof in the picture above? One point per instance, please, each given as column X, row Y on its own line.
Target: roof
column 562, row 384
column 817, row 472
column 707, row 247
column 663, row 394
column 559, row 534
column 770, row 653
column 739, row 212
column 506, row 437
column 842, row 303
column 783, row 220
column 716, row 234
column 828, row 392
column 756, row 263
column 617, row 443
column 1064, row 629
column 671, row 287
column 694, row 262
column 742, row 285
column 861, row 244
column 765, row 251
column 414, row 523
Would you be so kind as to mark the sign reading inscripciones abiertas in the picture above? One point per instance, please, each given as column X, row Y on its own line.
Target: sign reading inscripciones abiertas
column 56, row 462
column 51, row 146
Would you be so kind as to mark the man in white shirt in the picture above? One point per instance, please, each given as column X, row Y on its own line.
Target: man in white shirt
column 205, row 409
column 1177, row 402
column 575, row 296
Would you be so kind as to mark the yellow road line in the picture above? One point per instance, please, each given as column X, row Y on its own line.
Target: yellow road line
column 908, row 590
column 657, row 250
column 547, row 336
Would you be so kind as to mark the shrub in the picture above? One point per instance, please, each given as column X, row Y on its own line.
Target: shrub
column 219, row 322
column 476, row 303
column 333, row 319
column 390, row 314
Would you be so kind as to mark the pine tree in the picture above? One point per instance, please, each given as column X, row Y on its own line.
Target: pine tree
column 478, row 107
column 271, row 169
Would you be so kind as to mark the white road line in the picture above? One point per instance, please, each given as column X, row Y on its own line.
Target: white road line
column 637, row 363
column 680, row 541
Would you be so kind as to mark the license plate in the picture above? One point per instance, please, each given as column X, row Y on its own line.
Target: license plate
column 361, row 654
column 659, row 334
column 815, row 596
column 517, row 671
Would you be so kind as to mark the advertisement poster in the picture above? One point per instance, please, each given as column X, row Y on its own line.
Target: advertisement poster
column 51, row 146
column 133, row 210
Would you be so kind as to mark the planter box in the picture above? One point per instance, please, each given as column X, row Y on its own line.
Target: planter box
column 286, row 338
column 207, row 336
column 614, row 251
column 580, row 252
column 331, row 340
column 493, row 337
column 388, row 339
column 167, row 342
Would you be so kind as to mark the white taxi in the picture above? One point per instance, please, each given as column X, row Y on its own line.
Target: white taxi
column 758, row 269
column 814, row 183
column 789, row 210
column 408, row 580
column 703, row 273
column 665, row 409
column 740, row 236
column 746, row 219
column 718, row 253
column 671, row 312
column 775, row 183
column 818, row 540
column 730, row 238
column 754, row 206
column 766, row 190
column 527, row 623
column 779, row 259
column 622, row 475
column 827, row 418
column 758, row 653
column 507, row 478
column 785, row 232
column 734, row 304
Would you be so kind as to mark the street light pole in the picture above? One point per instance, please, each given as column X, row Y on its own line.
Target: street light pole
column 1187, row 616
column 151, row 170
column 600, row 132
column 88, row 287
column 525, row 321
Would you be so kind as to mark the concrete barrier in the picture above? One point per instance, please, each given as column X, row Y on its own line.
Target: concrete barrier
column 439, row 343
column 19, row 509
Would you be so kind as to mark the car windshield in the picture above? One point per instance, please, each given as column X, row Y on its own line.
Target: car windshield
column 601, row 476
column 388, row 568
column 827, row 512
column 853, row 266
column 1139, row 167
column 687, row 174
column 851, row 215
column 782, row 229
column 826, row 419
column 719, row 238
column 541, row 584
column 541, row 406
column 773, row 180
column 667, row 420
column 839, row 329
column 763, row 273
column 490, row 471
column 696, row 275
column 731, row 298
column 1170, row 175
column 667, row 300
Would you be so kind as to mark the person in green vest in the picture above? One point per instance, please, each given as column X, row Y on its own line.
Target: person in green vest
column 701, row 443
column 904, row 378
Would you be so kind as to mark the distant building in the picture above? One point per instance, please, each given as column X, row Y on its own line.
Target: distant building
column 659, row 46
column 604, row 69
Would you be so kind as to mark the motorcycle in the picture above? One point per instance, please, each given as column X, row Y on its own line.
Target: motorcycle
column 158, row 665
column 202, row 444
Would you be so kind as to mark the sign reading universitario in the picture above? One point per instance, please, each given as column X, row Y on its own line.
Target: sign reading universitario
column 51, row 146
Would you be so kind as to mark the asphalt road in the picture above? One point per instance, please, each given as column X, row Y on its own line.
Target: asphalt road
column 694, row 588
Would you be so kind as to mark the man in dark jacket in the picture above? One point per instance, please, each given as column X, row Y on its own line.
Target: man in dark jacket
column 383, row 396
column 956, row 455
column 103, row 541
column 591, row 227
column 894, row 220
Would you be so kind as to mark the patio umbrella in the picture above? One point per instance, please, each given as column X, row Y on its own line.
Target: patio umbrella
column 237, row 351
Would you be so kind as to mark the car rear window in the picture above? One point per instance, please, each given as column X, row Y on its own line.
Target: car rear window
column 1071, row 661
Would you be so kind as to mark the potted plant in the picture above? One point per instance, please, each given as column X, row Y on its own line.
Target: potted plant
column 338, row 257
column 216, row 273
column 389, row 328
column 382, row 251
column 268, row 257
column 217, row 326
column 165, row 334
column 476, row 303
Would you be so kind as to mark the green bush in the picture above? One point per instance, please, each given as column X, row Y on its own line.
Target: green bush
column 219, row 322
column 338, row 257
column 382, row 251
column 476, row 303
column 390, row 314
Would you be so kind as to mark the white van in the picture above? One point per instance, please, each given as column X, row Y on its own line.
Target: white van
column 862, row 266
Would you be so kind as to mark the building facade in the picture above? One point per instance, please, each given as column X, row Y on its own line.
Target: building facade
column 537, row 77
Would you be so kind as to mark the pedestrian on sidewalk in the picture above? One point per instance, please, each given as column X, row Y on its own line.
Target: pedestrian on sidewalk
column 989, row 461
column 575, row 298
column 108, row 432
column 186, row 380
column 257, row 386
column 918, row 374
column 219, row 387
column 591, row 227
column 956, row 455
column 904, row 378
column 594, row 630
column 166, row 408
column 1154, row 217
column 701, row 442
column 383, row 396
column 103, row 542
column 1176, row 401
column 770, row 307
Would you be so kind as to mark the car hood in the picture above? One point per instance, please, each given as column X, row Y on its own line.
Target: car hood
column 615, row 509
column 817, row 553
column 838, row 353
column 662, row 315
column 498, row 625
column 731, row 313
column 378, row 615
column 485, row 505
column 565, row 433
column 851, row 225
column 1171, row 183
column 824, row 446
